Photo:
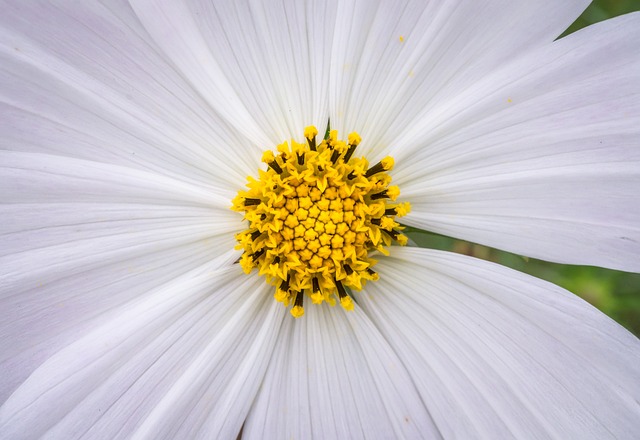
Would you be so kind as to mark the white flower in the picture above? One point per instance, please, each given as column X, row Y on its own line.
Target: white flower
column 128, row 128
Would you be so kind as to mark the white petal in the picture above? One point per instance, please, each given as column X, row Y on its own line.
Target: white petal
column 270, row 61
column 43, row 242
column 394, row 61
column 334, row 376
column 80, row 238
column 541, row 158
column 182, row 362
column 499, row 354
column 82, row 80
column 42, row 178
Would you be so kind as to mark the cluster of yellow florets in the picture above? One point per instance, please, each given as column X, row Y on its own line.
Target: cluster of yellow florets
column 314, row 215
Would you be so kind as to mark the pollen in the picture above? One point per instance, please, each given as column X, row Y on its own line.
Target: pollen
column 318, row 217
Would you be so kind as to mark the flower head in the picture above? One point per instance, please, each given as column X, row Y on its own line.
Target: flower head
column 129, row 128
column 314, row 216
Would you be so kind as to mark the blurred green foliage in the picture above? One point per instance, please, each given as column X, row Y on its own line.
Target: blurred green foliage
column 615, row 293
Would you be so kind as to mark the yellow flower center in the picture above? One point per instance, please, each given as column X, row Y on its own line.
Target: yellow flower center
column 314, row 216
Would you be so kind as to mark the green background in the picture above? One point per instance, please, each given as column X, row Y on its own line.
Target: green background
column 615, row 293
column 601, row 10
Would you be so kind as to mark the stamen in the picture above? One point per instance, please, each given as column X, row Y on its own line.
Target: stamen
column 335, row 156
column 392, row 233
column 310, row 134
column 347, row 269
column 251, row 202
column 345, row 300
column 384, row 165
column 349, row 153
column 255, row 234
column 341, row 291
column 390, row 193
column 354, row 141
column 270, row 160
column 258, row 254
column 400, row 210
column 275, row 167
column 298, row 310
column 285, row 284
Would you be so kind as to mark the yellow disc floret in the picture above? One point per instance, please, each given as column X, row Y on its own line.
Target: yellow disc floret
column 314, row 216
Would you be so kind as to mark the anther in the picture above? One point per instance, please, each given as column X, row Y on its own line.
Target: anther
column 257, row 254
column 335, row 156
column 275, row 167
column 349, row 153
column 310, row 134
column 299, row 298
column 390, row 193
column 285, row 284
column 392, row 233
column 300, row 158
column 400, row 210
column 347, row 269
column 345, row 300
column 270, row 160
column 316, row 285
column 341, row 292
column 255, row 234
column 384, row 165
column 251, row 202
column 354, row 141
column 380, row 195
column 298, row 310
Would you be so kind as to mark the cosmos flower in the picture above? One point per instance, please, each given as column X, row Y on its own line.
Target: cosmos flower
column 130, row 128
